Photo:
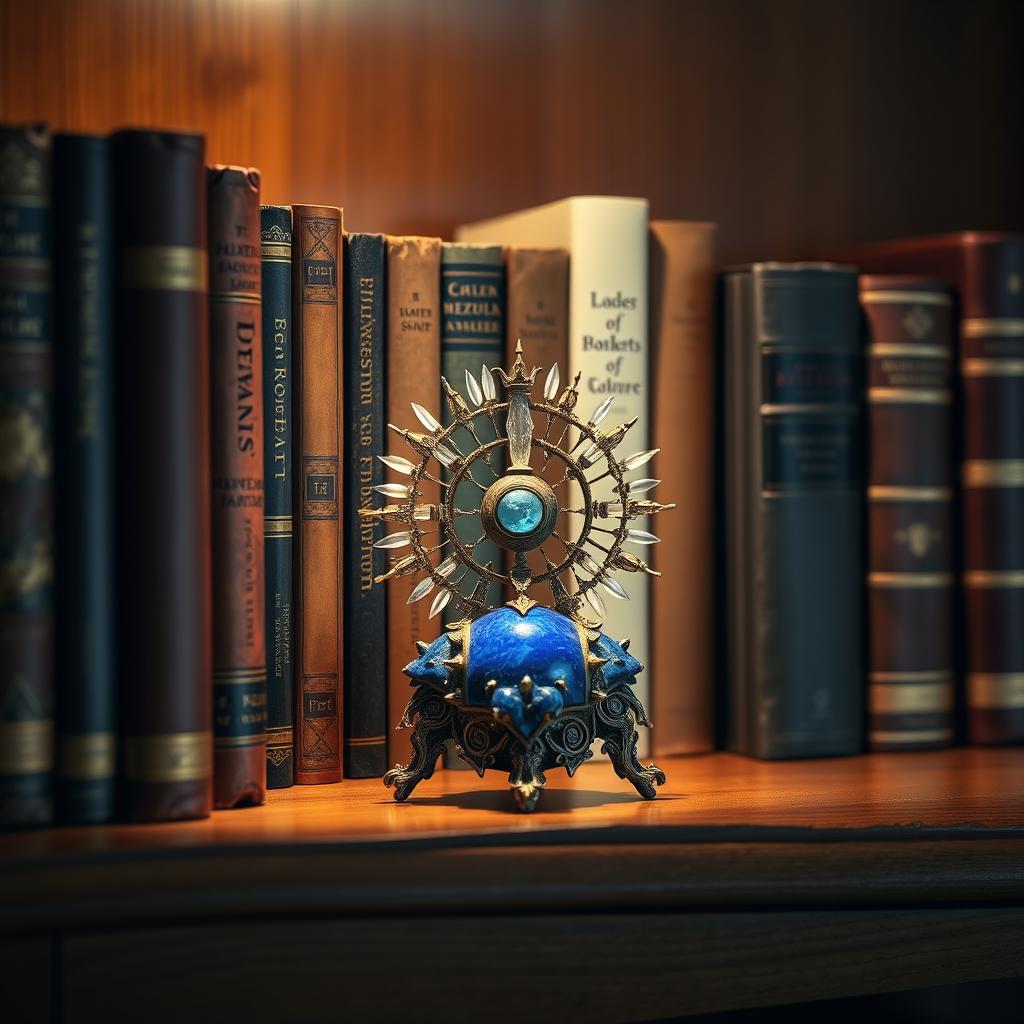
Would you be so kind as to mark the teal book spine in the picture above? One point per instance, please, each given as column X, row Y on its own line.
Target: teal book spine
column 276, row 261
column 84, row 657
column 366, row 634
column 26, row 478
column 472, row 337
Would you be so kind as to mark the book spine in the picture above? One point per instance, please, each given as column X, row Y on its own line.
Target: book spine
column 366, row 676
column 84, row 479
column 236, row 419
column 162, row 358
column 793, row 501
column 682, row 288
column 472, row 336
column 608, row 324
column 318, row 578
column 538, row 315
column 26, row 480
column 413, row 368
column 276, row 259
column 992, row 383
column 910, row 512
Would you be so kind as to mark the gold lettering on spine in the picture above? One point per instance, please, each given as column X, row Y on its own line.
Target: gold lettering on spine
column 170, row 757
column 172, row 268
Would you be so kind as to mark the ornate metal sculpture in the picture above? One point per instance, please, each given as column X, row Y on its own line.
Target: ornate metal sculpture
column 517, row 686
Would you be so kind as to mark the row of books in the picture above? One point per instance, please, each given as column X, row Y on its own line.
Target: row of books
column 181, row 546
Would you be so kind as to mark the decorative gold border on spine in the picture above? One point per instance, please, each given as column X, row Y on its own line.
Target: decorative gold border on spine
column 992, row 367
column 173, row 268
column 884, row 492
column 890, row 298
column 26, row 748
column 87, row 756
column 916, row 698
column 910, row 580
column 993, row 473
column 982, row 327
column 909, row 396
column 993, row 579
column 911, row 736
column 170, row 757
column 995, row 690
column 938, row 675
column 918, row 351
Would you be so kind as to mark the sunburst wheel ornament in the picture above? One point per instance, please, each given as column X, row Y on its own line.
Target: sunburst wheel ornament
column 517, row 686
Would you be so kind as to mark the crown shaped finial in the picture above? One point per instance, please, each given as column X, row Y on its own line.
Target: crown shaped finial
column 519, row 377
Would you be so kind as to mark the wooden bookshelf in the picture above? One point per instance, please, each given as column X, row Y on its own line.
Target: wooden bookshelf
column 744, row 884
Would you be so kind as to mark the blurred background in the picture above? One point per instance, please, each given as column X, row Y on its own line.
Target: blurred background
column 796, row 124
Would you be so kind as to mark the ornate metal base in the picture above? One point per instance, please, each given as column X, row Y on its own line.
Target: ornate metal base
column 483, row 742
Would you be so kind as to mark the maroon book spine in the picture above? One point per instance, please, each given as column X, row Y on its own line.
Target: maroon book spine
column 163, row 475
column 236, row 415
column 910, row 511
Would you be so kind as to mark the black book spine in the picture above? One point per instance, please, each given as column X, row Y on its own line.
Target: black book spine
column 793, row 507
column 276, row 256
column 26, row 478
column 84, row 478
column 366, row 677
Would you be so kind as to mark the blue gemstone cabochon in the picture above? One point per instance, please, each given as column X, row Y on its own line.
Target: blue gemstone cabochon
column 542, row 644
column 520, row 511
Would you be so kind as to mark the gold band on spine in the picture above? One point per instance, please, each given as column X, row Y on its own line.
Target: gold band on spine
column 911, row 396
column 894, row 699
column 992, row 367
column 809, row 408
column 364, row 741
column 887, row 298
column 239, row 676
column 920, row 351
column 993, row 579
column 280, row 736
column 26, row 748
column 170, row 268
column 87, row 756
column 910, row 736
column 880, row 492
column 910, row 580
column 277, row 526
column 170, row 757
column 995, row 689
column 981, row 327
column 938, row 675
column 240, row 741
column 276, row 250
column 993, row 473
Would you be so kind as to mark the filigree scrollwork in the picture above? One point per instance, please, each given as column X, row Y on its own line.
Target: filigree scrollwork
column 570, row 737
column 478, row 740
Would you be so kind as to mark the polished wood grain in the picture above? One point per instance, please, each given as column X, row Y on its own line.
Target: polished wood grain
column 798, row 125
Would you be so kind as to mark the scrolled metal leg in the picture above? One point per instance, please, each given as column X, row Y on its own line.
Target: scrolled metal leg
column 616, row 725
column 432, row 717
column 526, row 776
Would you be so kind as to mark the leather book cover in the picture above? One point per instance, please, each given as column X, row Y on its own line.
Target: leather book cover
column 682, row 389
column 793, row 497
column 472, row 337
column 987, row 271
column 162, row 415
column 413, row 361
column 84, row 658
column 910, row 335
column 537, row 292
column 365, row 666
column 236, row 466
column 26, row 480
column 278, row 485
column 316, row 311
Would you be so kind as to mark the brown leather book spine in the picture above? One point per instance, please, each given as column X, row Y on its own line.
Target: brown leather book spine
column 26, row 478
column 163, row 475
column 316, row 234
column 682, row 266
column 413, row 362
column 537, row 296
column 910, row 325
column 236, row 422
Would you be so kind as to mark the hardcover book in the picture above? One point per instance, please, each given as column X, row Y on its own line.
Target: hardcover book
column 164, row 619
column 84, row 479
column 607, row 241
column 682, row 665
column 413, row 369
column 236, row 416
column 26, row 483
column 987, row 271
column 278, row 484
column 365, row 667
column 910, row 511
column 317, row 436
column 794, row 555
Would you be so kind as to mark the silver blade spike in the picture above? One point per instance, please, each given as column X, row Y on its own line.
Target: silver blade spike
column 425, row 417
column 394, row 540
column 397, row 463
column 614, row 588
column 639, row 459
column 475, row 394
column 439, row 603
column 642, row 537
column 600, row 412
column 588, row 563
column 421, row 590
column 643, row 486
column 551, row 384
column 593, row 598
column 393, row 490
column 487, row 381
column 446, row 567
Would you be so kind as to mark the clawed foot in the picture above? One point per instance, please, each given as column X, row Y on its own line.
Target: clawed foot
column 403, row 780
column 646, row 780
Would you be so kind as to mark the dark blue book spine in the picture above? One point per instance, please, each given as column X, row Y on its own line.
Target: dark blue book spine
column 26, row 478
column 365, row 646
column 84, row 479
column 276, row 257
